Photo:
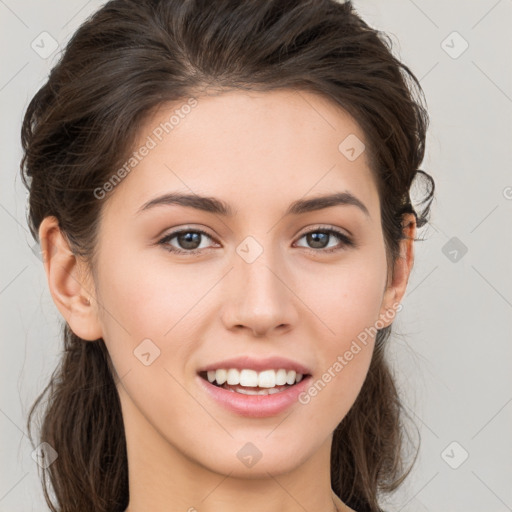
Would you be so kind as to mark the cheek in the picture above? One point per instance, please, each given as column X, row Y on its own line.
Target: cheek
column 346, row 297
column 151, row 300
column 148, row 299
column 144, row 320
column 346, row 301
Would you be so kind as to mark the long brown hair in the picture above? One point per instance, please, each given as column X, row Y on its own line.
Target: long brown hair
column 125, row 61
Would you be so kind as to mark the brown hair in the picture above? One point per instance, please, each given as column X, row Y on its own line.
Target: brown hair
column 125, row 61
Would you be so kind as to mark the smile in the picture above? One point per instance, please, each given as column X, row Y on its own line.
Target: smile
column 251, row 382
column 254, row 401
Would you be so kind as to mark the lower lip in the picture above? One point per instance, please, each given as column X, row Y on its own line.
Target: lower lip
column 255, row 406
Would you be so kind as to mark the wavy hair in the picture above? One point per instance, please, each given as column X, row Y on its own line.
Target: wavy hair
column 123, row 62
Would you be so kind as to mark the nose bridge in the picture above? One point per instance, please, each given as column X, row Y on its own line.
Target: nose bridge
column 260, row 297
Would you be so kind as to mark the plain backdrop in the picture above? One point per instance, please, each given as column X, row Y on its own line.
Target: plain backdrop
column 452, row 352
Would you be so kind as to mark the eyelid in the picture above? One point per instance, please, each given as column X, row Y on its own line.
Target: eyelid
column 324, row 227
column 169, row 236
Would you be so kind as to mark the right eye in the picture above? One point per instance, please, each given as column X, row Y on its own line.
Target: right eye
column 189, row 239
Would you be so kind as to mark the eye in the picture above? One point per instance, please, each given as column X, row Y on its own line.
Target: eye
column 188, row 239
column 319, row 238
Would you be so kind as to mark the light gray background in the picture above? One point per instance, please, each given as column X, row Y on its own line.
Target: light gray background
column 453, row 354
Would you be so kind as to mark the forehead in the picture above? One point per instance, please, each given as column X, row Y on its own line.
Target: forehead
column 251, row 149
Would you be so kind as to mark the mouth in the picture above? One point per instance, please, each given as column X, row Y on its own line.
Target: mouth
column 255, row 387
column 251, row 382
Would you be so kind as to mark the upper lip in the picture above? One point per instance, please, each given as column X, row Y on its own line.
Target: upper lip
column 257, row 364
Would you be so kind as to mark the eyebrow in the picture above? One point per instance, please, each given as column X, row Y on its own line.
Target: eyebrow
column 219, row 207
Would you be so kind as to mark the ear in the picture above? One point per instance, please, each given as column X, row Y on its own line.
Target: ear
column 69, row 281
column 397, row 283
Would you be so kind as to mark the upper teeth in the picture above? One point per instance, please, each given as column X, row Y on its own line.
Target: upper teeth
column 252, row 378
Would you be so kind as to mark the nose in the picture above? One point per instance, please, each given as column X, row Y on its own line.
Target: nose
column 261, row 298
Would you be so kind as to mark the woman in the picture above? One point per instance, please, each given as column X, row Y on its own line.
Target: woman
column 221, row 194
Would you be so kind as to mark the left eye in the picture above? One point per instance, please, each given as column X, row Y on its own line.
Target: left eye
column 318, row 238
column 189, row 240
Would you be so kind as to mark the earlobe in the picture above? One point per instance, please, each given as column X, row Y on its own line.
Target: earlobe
column 70, row 286
column 395, row 290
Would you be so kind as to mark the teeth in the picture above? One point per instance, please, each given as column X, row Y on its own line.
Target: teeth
column 270, row 391
column 220, row 376
column 233, row 377
column 281, row 377
column 267, row 379
column 260, row 392
column 290, row 377
column 250, row 378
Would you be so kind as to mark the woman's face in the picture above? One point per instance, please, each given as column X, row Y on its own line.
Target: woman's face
column 263, row 282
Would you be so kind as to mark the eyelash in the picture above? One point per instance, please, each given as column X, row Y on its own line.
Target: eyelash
column 345, row 241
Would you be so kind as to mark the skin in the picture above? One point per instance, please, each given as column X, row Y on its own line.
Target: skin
column 258, row 152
